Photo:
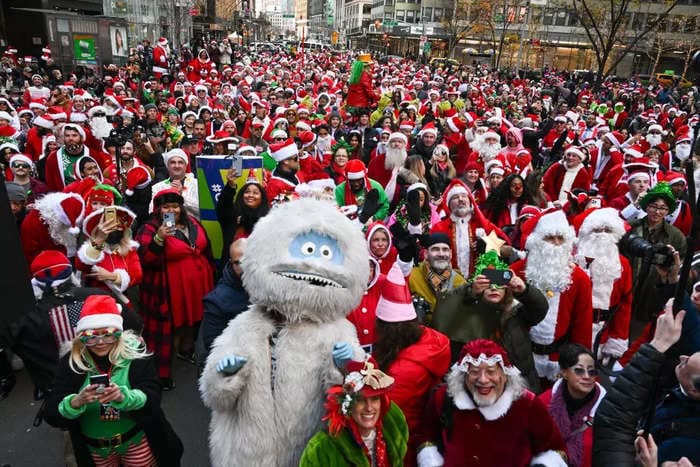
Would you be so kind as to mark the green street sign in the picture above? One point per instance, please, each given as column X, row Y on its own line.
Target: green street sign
column 287, row 16
column 390, row 23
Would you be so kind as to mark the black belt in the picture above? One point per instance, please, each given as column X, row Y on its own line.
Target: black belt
column 114, row 441
column 546, row 349
column 601, row 315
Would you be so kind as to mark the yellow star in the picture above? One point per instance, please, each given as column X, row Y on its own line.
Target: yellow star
column 493, row 242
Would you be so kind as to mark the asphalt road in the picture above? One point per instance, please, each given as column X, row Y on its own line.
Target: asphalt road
column 23, row 445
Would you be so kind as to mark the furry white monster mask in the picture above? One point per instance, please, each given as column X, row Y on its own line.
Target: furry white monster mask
column 307, row 261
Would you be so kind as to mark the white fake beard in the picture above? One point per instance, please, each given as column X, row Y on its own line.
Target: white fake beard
column 100, row 127
column 549, row 266
column 490, row 151
column 394, row 158
column 653, row 140
column 59, row 234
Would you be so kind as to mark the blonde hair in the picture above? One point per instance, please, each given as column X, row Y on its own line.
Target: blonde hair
column 129, row 346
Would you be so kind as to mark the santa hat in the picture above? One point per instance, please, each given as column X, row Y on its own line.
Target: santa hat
column 220, row 136
column 456, row 187
column 395, row 302
column 480, row 351
column 398, row 135
column 278, row 133
column 672, row 177
column 71, row 208
column 302, row 125
column 7, row 131
column 527, row 212
column 96, row 109
column 615, row 137
column 355, row 170
column 5, row 116
column 177, row 152
column 637, row 174
column 549, row 222
column 491, row 135
column 43, row 121
column 74, row 127
column 125, row 219
column 406, row 125
column 456, row 124
column 307, row 138
column 283, row 150
column 683, row 135
column 577, row 152
column 594, row 218
column 137, row 178
column 643, row 162
column 656, row 127
column 634, row 150
column 429, row 128
column 21, row 158
column 162, row 42
column 99, row 311
column 50, row 266
column 244, row 149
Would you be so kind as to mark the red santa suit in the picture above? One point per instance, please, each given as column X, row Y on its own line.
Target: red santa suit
column 278, row 185
column 36, row 94
column 569, row 317
column 128, row 267
column 35, row 143
column 387, row 178
column 558, row 179
column 161, row 53
column 52, row 225
column 459, row 151
column 514, row 431
column 54, row 172
column 681, row 218
column 463, row 232
column 601, row 164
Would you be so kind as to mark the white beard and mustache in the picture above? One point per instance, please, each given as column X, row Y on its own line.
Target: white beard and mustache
column 653, row 140
column 59, row 233
column 549, row 266
column 489, row 151
column 605, row 267
column 394, row 158
column 100, row 127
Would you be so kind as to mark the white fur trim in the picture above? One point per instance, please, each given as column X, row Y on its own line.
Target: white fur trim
column 124, row 279
column 553, row 223
column 355, row 175
column 615, row 347
column 452, row 126
column 85, row 258
column 285, row 152
column 463, row 401
column 456, row 190
column 429, row 456
column 603, row 217
column 97, row 321
column 549, row 459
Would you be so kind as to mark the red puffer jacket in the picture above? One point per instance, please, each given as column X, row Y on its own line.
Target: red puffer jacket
column 416, row 370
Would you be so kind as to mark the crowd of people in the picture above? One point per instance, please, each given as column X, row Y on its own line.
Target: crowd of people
column 523, row 236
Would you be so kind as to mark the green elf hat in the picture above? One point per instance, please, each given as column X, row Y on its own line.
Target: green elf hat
column 602, row 109
column 662, row 191
column 488, row 260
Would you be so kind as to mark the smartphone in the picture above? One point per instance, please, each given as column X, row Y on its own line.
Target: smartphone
column 169, row 219
column 101, row 380
column 498, row 276
column 110, row 214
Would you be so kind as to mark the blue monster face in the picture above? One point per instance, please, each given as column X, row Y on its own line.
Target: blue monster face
column 316, row 246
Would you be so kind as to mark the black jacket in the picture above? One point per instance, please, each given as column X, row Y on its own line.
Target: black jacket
column 627, row 400
column 165, row 444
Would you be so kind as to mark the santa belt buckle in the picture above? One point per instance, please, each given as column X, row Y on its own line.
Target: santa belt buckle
column 600, row 315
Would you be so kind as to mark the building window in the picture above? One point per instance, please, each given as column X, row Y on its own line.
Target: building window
column 388, row 2
column 427, row 14
column 438, row 14
column 388, row 16
column 548, row 18
column 561, row 17
column 400, row 15
column 410, row 16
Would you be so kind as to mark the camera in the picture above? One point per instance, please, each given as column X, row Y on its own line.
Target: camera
column 635, row 246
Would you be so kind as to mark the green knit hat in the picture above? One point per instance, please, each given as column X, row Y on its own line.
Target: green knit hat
column 662, row 191
column 489, row 260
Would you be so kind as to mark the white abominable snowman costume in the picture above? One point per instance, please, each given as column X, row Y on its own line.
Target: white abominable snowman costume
column 305, row 267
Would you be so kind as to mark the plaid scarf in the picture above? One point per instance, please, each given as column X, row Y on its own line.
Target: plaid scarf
column 438, row 281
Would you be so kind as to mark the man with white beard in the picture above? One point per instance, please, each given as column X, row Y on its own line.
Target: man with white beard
column 599, row 231
column 385, row 168
column 549, row 240
column 486, row 404
column 98, row 122
column 485, row 148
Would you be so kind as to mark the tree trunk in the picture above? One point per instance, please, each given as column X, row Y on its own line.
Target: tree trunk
column 656, row 61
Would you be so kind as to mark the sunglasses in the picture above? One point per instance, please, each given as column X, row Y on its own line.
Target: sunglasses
column 21, row 166
column 90, row 339
column 582, row 371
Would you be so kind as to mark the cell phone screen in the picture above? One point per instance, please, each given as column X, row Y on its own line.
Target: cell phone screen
column 100, row 379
